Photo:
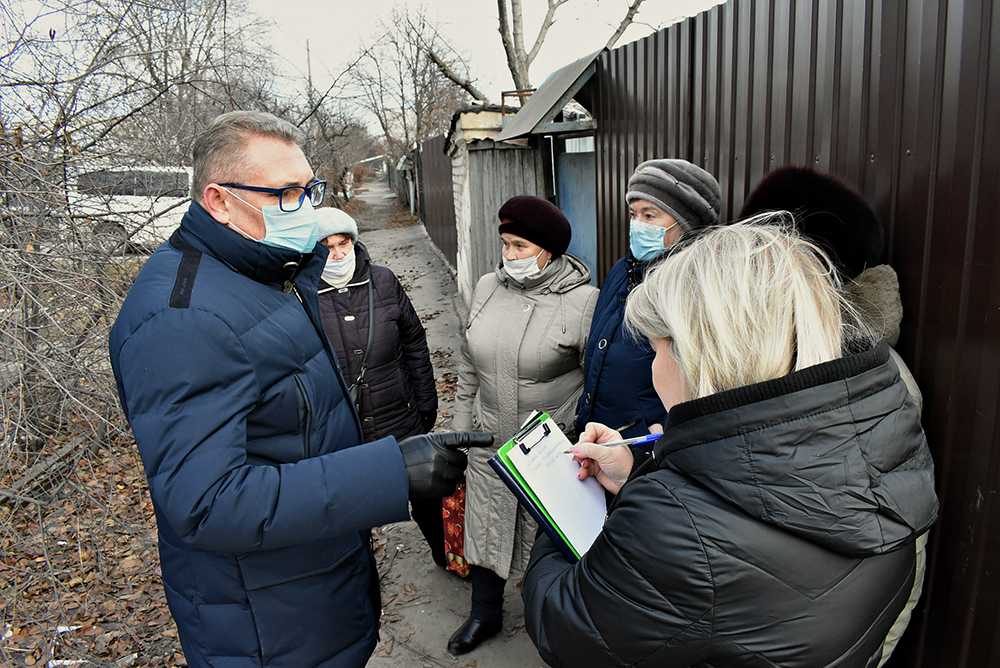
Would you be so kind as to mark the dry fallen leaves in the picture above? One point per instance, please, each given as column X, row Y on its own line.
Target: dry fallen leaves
column 87, row 558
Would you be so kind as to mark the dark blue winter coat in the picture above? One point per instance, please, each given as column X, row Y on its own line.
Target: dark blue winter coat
column 263, row 496
column 618, row 383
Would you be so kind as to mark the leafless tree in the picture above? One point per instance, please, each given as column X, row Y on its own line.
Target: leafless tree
column 402, row 86
column 204, row 60
column 439, row 50
column 627, row 20
column 510, row 14
column 336, row 139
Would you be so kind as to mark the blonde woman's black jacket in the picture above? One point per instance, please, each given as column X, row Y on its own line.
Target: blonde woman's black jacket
column 775, row 527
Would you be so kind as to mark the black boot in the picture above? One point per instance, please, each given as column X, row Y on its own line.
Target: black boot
column 486, row 618
column 472, row 634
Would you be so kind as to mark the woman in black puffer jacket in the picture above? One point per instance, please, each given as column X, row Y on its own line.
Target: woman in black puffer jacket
column 393, row 378
column 775, row 525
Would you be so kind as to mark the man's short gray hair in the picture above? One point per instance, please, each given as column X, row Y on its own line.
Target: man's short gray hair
column 218, row 150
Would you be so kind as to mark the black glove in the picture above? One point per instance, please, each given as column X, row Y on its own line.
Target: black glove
column 435, row 463
column 428, row 419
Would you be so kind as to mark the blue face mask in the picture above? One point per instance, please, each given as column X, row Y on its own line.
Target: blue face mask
column 294, row 230
column 645, row 240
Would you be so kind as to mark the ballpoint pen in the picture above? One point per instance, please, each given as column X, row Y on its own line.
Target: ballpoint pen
column 638, row 440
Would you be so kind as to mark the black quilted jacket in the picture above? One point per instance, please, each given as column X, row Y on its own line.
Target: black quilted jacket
column 775, row 527
column 399, row 383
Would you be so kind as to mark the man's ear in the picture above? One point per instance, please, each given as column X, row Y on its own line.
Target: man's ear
column 214, row 199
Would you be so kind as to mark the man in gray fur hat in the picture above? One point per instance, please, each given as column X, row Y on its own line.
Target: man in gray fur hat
column 666, row 198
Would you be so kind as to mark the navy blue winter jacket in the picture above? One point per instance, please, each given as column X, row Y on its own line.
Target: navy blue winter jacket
column 618, row 383
column 263, row 495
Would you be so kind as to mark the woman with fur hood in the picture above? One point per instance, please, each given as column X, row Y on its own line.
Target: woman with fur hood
column 839, row 220
column 775, row 524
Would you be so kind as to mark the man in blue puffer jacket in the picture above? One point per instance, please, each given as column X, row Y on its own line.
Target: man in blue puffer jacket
column 666, row 198
column 263, row 495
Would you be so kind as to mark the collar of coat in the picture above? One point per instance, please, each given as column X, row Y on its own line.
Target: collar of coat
column 262, row 263
column 563, row 274
column 636, row 271
column 833, row 453
column 809, row 378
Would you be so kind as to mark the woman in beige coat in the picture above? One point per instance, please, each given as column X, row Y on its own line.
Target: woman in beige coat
column 525, row 338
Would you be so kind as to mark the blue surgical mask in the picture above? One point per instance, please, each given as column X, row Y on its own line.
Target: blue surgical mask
column 645, row 240
column 294, row 230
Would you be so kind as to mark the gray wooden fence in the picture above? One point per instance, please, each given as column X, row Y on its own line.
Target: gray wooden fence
column 497, row 172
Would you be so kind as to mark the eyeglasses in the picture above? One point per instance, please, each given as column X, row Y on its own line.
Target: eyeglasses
column 290, row 198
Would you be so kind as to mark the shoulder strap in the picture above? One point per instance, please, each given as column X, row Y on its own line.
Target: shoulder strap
column 371, row 327
column 180, row 296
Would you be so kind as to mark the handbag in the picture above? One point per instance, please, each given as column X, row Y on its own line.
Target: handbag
column 453, row 517
column 354, row 390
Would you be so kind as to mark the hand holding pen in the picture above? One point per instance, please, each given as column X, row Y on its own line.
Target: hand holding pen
column 638, row 440
column 600, row 459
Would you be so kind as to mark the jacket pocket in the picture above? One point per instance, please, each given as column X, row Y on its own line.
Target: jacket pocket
column 310, row 601
column 275, row 567
column 305, row 415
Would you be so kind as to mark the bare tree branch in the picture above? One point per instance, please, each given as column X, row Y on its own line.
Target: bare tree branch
column 454, row 77
column 324, row 96
column 403, row 86
column 517, row 29
column 446, row 68
column 626, row 21
column 508, row 46
column 511, row 20
column 543, row 31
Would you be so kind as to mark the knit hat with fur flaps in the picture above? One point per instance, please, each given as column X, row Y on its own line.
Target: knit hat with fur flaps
column 684, row 190
column 335, row 221
column 537, row 220
column 828, row 212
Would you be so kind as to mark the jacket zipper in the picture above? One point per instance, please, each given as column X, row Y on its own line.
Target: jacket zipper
column 290, row 287
column 308, row 419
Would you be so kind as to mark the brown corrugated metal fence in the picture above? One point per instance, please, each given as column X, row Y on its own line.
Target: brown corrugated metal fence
column 902, row 99
column 437, row 201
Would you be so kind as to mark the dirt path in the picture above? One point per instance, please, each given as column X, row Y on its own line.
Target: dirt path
column 422, row 605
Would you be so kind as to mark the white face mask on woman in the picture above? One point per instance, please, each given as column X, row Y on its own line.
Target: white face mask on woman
column 338, row 272
column 522, row 270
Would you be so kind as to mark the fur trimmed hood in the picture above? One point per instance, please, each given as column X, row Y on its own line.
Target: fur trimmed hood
column 875, row 293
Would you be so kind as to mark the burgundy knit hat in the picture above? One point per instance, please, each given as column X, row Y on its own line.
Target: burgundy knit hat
column 537, row 220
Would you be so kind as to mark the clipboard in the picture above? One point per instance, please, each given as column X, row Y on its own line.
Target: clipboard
column 534, row 466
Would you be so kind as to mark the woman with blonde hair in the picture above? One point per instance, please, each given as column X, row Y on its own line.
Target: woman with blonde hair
column 776, row 523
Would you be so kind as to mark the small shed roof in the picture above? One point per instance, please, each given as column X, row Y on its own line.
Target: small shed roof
column 479, row 121
column 536, row 116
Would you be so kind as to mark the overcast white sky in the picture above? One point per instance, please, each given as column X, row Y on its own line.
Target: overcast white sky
column 336, row 30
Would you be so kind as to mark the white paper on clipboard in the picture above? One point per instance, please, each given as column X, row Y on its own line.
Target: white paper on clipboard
column 578, row 507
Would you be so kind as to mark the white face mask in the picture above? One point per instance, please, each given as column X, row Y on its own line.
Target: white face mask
column 340, row 271
column 522, row 270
